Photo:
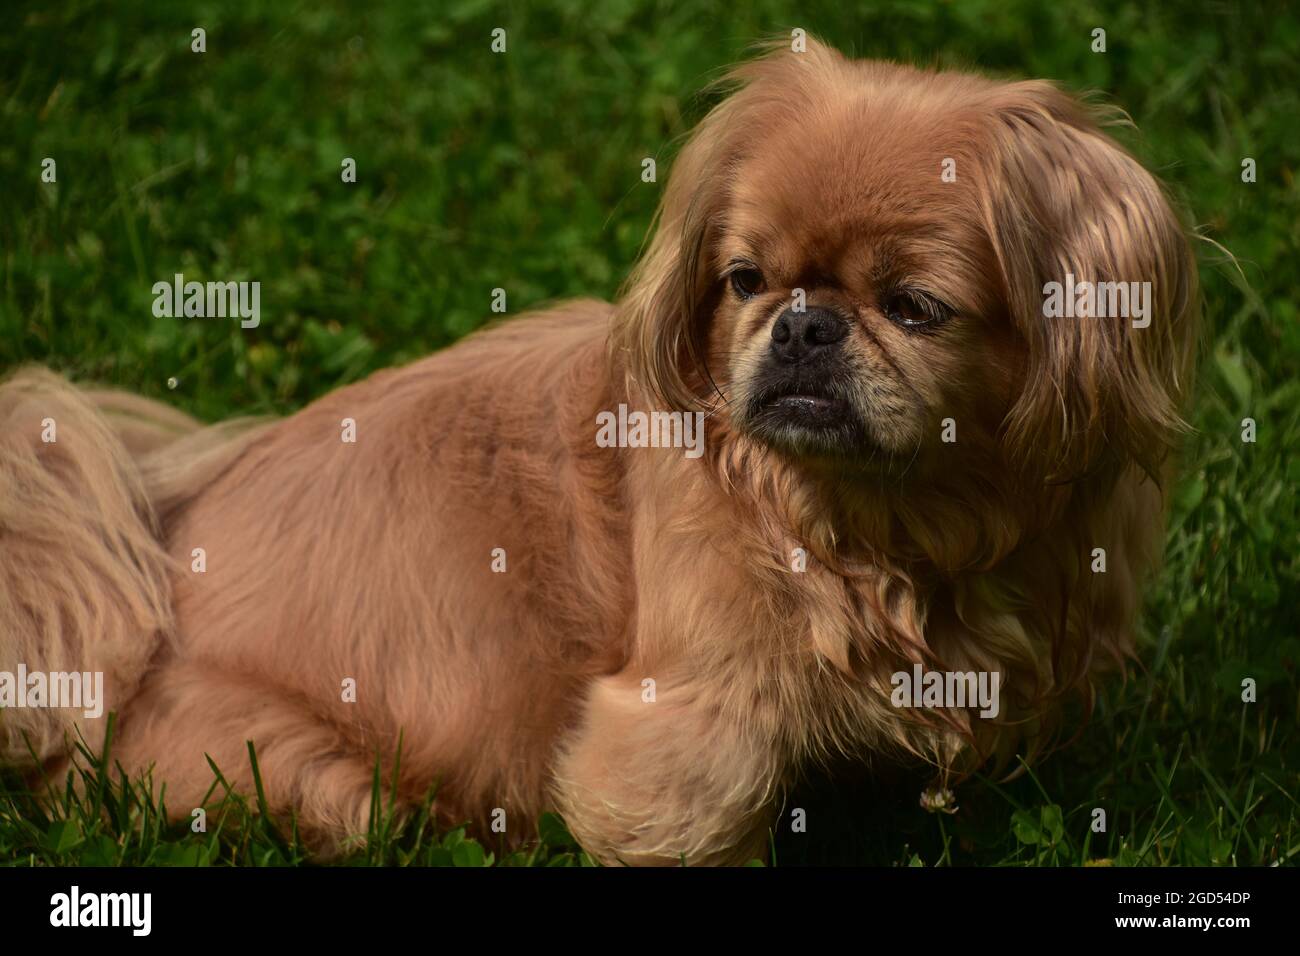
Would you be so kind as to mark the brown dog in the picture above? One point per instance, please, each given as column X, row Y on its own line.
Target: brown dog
column 907, row 463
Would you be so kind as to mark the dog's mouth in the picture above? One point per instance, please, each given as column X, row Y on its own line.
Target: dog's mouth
column 810, row 408
column 808, row 404
column 806, row 417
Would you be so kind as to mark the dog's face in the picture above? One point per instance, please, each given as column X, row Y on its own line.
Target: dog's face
column 851, row 264
column 857, row 298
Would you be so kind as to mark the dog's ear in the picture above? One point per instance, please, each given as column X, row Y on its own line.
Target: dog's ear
column 1061, row 199
column 661, row 329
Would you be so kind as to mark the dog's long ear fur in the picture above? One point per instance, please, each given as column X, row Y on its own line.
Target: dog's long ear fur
column 659, row 333
column 1061, row 198
column 1099, row 409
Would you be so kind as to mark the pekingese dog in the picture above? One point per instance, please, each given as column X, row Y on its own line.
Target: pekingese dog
column 883, row 416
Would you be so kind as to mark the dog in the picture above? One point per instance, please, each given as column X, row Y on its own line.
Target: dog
column 907, row 467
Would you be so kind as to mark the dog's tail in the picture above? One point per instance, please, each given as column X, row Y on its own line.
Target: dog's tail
column 84, row 575
column 89, row 480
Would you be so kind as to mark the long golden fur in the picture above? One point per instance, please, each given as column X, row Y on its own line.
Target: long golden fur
column 525, row 689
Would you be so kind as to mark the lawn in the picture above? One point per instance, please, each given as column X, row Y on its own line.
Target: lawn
column 522, row 170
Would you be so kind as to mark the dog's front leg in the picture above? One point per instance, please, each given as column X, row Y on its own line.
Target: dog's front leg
column 661, row 774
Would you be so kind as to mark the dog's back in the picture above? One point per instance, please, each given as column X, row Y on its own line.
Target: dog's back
column 228, row 580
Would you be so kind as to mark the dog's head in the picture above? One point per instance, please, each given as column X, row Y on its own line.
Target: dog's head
column 887, row 286
column 851, row 268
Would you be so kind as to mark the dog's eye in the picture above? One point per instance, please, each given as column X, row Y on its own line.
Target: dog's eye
column 915, row 310
column 747, row 283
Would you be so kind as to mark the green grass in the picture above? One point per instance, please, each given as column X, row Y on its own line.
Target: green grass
column 523, row 171
column 102, row 817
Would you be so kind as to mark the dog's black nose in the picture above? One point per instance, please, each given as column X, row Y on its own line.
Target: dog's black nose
column 797, row 335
